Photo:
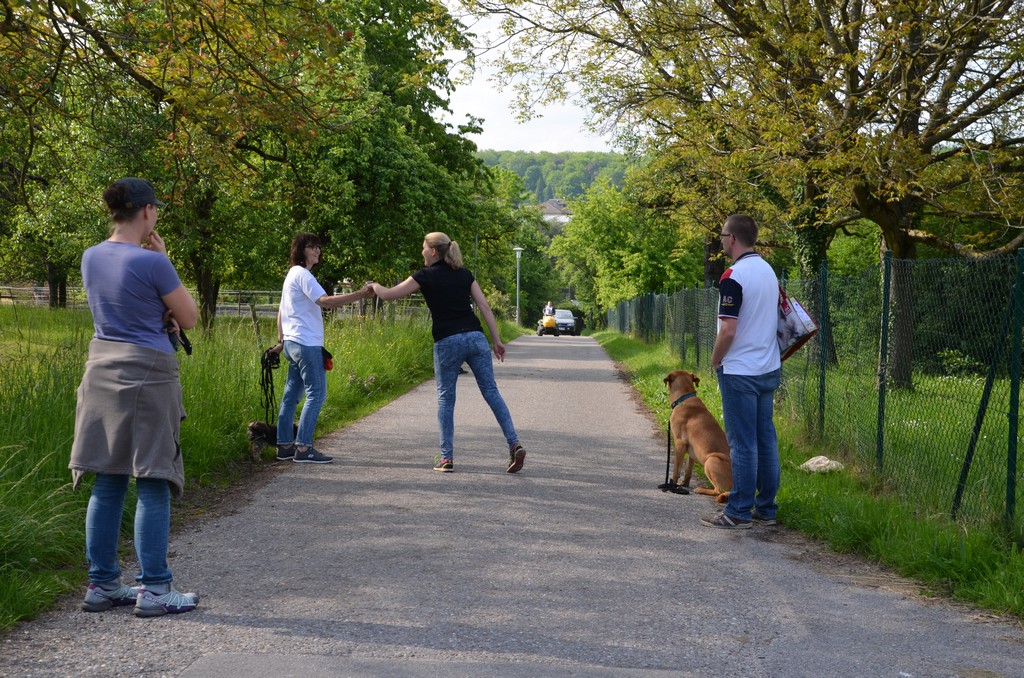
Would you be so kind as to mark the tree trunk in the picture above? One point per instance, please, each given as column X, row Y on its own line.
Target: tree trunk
column 812, row 240
column 714, row 261
column 896, row 219
column 57, row 282
column 204, row 268
column 207, row 288
column 901, row 318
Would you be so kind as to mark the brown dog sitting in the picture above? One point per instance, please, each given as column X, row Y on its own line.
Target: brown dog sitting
column 697, row 436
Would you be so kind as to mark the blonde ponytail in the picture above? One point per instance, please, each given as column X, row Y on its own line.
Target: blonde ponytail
column 454, row 256
column 447, row 249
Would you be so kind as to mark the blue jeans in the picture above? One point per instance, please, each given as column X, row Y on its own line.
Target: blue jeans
column 152, row 527
column 449, row 354
column 748, row 403
column 305, row 373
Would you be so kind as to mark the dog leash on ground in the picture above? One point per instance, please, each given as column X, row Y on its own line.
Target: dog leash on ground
column 263, row 433
column 668, row 485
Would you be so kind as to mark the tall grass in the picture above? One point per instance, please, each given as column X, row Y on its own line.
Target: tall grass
column 42, row 358
column 971, row 562
column 41, row 534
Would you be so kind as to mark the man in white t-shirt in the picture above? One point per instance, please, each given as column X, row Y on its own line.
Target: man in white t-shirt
column 747, row 362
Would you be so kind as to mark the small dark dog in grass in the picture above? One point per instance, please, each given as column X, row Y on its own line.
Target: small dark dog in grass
column 262, row 434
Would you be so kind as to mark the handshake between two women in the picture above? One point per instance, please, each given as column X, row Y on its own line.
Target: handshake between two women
column 336, row 300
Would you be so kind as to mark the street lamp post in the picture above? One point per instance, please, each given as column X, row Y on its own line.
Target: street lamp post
column 519, row 255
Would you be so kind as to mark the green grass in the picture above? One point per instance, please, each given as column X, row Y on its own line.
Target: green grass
column 926, row 436
column 42, row 357
column 850, row 510
column 41, row 541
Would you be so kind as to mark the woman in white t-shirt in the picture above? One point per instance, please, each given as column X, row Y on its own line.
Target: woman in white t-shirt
column 300, row 334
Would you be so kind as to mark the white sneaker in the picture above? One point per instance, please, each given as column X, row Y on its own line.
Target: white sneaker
column 109, row 594
column 152, row 603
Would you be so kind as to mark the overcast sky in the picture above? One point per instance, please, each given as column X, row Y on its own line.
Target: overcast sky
column 555, row 129
column 560, row 128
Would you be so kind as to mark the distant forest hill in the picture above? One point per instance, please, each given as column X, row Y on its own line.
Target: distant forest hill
column 559, row 175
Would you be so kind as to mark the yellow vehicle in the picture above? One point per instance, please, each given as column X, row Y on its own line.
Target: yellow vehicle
column 547, row 325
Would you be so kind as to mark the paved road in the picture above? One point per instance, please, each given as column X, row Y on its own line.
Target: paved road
column 578, row 566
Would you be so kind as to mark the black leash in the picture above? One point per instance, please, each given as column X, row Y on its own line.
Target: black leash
column 269, row 362
column 179, row 339
column 668, row 451
column 668, row 485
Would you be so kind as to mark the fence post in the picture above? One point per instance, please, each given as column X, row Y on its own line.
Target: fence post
column 1011, row 448
column 696, row 325
column 650, row 335
column 883, row 356
column 823, row 331
column 680, row 296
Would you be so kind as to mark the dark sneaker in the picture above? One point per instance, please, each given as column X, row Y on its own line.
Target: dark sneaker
column 285, row 453
column 311, row 456
column 152, row 603
column 443, row 465
column 109, row 594
column 725, row 522
column 764, row 522
column 516, row 456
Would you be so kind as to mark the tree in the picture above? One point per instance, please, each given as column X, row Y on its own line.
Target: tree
column 256, row 120
column 654, row 72
column 501, row 216
column 612, row 250
column 896, row 112
column 219, row 86
column 561, row 175
column 538, row 279
column 884, row 109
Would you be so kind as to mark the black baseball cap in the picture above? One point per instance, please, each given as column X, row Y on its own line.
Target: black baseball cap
column 138, row 193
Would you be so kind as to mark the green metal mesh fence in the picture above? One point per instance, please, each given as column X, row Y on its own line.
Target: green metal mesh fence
column 927, row 400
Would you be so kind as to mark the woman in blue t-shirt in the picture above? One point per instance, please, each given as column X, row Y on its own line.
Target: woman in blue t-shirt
column 129, row 411
column 448, row 289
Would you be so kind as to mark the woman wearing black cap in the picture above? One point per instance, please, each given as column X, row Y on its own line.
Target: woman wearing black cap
column 129, row 403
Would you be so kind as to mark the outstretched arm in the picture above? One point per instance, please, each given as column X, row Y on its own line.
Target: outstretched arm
column 402, row 289
column 336, row 300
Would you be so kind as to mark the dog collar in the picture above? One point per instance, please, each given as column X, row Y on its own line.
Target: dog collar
column 682, row 398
